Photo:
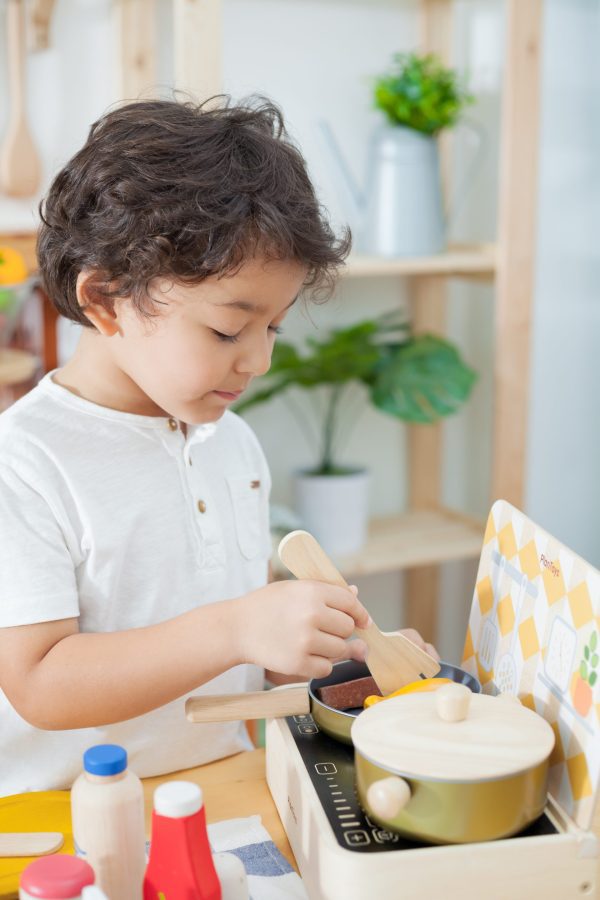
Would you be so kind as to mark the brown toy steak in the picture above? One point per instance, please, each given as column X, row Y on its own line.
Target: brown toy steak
column 348, row 694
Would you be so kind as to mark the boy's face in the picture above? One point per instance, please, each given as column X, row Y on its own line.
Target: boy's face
column 202, row 350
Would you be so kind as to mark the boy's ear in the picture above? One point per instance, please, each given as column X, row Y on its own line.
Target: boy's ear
column 97, row 309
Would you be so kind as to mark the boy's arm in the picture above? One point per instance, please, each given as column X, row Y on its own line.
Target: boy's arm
column 57, row 677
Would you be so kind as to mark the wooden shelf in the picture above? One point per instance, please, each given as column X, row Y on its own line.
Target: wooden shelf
column 464, row 261
column 419, row 538
column 461, row 261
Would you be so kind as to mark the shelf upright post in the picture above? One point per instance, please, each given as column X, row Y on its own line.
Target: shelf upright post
column 135, row 28
column 197, row 47
column 428, row 297
column 516, row 247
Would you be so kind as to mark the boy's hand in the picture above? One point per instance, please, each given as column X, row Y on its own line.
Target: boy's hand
column 416, row 638
column 300, row 627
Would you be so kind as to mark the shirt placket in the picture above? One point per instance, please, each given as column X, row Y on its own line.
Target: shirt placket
column 206, row 521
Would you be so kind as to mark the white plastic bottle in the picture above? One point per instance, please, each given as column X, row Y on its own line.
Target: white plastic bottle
column 107, row 808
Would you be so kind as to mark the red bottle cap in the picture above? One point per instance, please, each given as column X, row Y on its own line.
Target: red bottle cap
column 57, row 876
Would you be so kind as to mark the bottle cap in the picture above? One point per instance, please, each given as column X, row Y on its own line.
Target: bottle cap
column 56, row 876
column 105, row 759
column 176, row 799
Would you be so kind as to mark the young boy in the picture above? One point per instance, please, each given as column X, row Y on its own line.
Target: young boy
column 134, row 540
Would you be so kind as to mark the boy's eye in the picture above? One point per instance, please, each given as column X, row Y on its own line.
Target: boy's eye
column 231, row 338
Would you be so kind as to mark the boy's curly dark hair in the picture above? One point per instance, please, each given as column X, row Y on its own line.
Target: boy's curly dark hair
column 174, row 189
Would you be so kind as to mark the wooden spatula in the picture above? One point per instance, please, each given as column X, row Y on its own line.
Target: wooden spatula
column 30, row 843
column 20, row 171
column 393, row 660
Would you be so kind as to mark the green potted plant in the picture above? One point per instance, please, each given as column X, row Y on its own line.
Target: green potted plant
column 416, row 379
column 400, row 212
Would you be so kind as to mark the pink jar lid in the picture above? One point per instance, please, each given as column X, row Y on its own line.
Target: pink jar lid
column 57, row 876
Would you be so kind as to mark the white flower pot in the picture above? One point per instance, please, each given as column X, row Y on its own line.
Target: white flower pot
column 335, row 509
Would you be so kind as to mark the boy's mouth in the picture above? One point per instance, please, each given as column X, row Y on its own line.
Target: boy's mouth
column 229, row 395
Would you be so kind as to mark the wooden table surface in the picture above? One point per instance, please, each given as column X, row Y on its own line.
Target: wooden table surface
column 234, row 787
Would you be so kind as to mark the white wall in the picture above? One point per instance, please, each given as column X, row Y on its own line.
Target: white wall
column 315, row 58
column 563, row 487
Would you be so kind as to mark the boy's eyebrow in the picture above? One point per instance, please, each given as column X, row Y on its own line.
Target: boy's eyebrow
column 248, row 306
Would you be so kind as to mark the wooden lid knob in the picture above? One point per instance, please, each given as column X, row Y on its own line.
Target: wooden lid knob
column 452, row 702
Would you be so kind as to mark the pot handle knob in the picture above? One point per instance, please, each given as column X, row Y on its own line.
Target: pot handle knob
column 452, row 702
column 388, row 796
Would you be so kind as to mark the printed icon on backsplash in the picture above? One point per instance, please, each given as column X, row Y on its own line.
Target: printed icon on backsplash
column 560, row 656
column 586, row 676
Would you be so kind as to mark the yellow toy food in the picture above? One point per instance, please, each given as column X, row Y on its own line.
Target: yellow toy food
column 12, row 266
column 415, row 687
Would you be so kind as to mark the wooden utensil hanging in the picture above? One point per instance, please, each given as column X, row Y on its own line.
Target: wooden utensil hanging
column 393, row 659
column 20, row 170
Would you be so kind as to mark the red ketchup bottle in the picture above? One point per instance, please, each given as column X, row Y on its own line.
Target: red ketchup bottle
column 181, row 865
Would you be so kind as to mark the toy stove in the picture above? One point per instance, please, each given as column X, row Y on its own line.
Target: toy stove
column 342, row 854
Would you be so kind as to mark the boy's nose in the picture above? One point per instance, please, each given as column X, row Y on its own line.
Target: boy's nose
column 256, row 361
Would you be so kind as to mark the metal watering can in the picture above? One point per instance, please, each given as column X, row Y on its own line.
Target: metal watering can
column 400, row 211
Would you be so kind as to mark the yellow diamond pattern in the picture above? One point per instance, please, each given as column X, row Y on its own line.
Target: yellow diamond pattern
column 573, row 595
column 507, row 542
column 485, row 594
column 490, row 530
column 579, row 776
column 558, row 754
column 529, row 559
column 554, row 585
column 482, row 675
column 528, row 701
column 468, row 648
column 580, row 605
column 506, row 615
column 528, row 638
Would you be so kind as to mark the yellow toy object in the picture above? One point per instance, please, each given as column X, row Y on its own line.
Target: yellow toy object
column 35, row 811
column 12, row 266
column 415, row 687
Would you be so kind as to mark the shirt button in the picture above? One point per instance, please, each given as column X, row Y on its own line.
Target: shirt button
column 201, row 506
column 172, row 423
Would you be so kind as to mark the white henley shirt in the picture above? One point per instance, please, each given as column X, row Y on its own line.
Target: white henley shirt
column 124, row 521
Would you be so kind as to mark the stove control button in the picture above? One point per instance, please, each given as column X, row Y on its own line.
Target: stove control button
column 308, row 729
column 327, row 768
column 303, row 720
column 384, row 837
column 357, row 838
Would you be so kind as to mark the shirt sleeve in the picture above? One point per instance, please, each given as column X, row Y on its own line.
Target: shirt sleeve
column 37, row 574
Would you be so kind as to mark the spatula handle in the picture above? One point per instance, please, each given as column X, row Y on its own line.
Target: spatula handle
column 394, row 660
column 302, row 554
column 288, row 700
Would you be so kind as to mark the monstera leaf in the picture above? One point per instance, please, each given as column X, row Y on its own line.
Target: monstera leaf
column 422, row 380
column 416, row 379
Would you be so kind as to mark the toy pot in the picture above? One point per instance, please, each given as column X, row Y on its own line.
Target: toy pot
column 452, row 766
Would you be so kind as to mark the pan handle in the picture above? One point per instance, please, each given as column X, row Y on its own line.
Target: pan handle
column 287, row 700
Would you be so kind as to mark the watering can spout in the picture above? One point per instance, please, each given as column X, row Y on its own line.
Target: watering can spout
column 352, row 196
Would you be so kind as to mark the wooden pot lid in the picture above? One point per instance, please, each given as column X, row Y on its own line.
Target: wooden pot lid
column 499, row 737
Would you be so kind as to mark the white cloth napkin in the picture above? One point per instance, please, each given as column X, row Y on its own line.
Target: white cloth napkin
column 270, row 876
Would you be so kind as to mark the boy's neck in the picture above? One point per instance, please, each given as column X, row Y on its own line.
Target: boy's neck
column 93, row 375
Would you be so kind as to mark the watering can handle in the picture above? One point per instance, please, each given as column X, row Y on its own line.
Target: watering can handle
column 351, row 194
column 454, row 205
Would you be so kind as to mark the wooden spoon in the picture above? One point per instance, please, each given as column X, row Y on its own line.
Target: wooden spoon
column 393, row 659
column 30, row 843
column 19, row 163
